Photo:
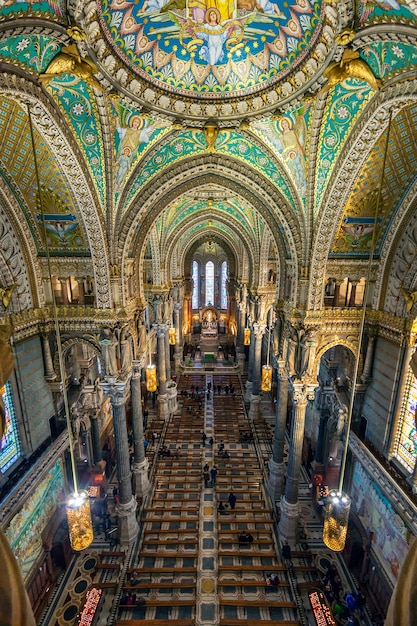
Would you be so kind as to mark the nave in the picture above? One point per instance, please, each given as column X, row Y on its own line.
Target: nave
column 188, row 566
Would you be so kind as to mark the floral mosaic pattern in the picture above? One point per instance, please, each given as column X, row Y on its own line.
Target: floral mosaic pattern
column 31, row 52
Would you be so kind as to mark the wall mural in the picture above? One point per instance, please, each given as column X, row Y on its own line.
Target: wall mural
column 219, row 47
column 133, row 132
column 25, row 530
column 288, row 136
column 390, row 538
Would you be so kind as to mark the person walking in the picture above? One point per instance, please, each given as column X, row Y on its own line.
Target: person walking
column 213, row 473
column 232, row 500
column 206, row 476
column 286, row 553
column 211, row 441
column 204, row 437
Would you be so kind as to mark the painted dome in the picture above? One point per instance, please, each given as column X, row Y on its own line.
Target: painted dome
column 212, row 58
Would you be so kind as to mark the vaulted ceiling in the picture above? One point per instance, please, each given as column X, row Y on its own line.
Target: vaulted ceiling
column 279, row 126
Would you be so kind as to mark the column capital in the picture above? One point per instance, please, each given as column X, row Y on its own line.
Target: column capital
column 117, row 390
column 302, row 393
column 138, row 365
column 160, row 330
column 259, row 330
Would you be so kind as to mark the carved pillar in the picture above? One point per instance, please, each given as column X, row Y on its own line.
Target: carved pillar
column 64, row 290
column 47, row 358
column 288, row 524
column 115, row 285
column 251, row 363
column 141, row 483
column 126, row 507
column 258, row 331
column 167, row 355
column 161, row 331
column 352, row 297
column 95, row 439
column 240, row 348
column 178, row 336
column 276, row 462
column 366, row 376
column 336, row 293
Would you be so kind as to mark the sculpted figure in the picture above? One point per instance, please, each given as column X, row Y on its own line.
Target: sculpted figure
column 69, row 61
column 126, row 350
column 351, row 66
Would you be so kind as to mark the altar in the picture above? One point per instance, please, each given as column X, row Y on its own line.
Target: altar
column 209, row 327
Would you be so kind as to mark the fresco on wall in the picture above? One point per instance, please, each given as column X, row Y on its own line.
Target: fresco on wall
column 288, row 137
column 389, row 534
column 133, row 132
column 25, row 530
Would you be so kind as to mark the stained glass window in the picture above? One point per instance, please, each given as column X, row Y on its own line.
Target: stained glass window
column 223, row 287
column 194, row 276
column 209, row 283
column 406, row 451
column 10, row 450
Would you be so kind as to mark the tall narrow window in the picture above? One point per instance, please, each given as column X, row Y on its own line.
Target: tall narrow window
column 194, row 276
column 223, row 286
column 209, row 283
column 406, row 449
column 10, row 449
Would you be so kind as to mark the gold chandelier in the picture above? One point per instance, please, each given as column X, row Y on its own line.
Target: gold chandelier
column 150, row 374
column 246, row 337
column 78, row 511
column 266, row 382
column 172, row 336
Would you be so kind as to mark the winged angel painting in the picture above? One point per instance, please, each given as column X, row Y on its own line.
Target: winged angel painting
column 211, row 45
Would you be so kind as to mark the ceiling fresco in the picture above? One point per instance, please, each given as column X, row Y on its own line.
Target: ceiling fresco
column 51, row 9
column 355, row 232
column 62, row 223
column 193, row 142
column 370, row 12
column 32, row 53
column 221, row 47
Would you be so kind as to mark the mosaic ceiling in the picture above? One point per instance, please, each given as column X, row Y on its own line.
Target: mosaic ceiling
column 163, row 70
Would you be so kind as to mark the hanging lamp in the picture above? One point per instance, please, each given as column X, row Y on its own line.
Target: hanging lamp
column 337, row 506
column 246, row 336
column 172, row 336
column 77, row 507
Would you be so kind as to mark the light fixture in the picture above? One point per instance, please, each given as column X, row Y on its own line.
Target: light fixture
column 246, row 336
column 80, row 525
column 337, row 506
column 172, row 336
column 266, row 382
column 150, row 374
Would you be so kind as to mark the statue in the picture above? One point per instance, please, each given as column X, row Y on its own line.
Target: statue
column 351, row 66
column 126, row 351
column 75, row 421
column 410, row 298
column 6, row 295
column 99, row 393
column 69, row 61
column 109, row 342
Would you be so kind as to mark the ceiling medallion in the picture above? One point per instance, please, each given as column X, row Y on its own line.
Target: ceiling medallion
column 233, row 57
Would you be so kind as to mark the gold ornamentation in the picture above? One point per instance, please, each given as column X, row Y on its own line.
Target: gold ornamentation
column 410, row 298
column 210, row 132
column 69, row 61
column 6, row 295
column 79, row 521
column 351, row 66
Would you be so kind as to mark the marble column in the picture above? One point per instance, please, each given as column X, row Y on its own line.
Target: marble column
column 251, row 363
column 366, row 375
column 126, row 507
column 255, row 399
column 50, row 373
column 336, row 294
column 140, row 462
column 178, row 337
column 288, row 525
column 95, row 439
column 167, row 355
column 161, row 331
column 276, row 462
column 240, row 348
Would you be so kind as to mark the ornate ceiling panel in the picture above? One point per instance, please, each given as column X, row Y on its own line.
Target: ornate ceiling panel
column 64, row 229
column 355, row 232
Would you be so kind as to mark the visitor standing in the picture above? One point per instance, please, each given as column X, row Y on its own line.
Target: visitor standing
column 232, row 500
column 213, row 473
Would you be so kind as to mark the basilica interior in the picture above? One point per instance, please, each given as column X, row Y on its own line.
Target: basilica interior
column 208, row 280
